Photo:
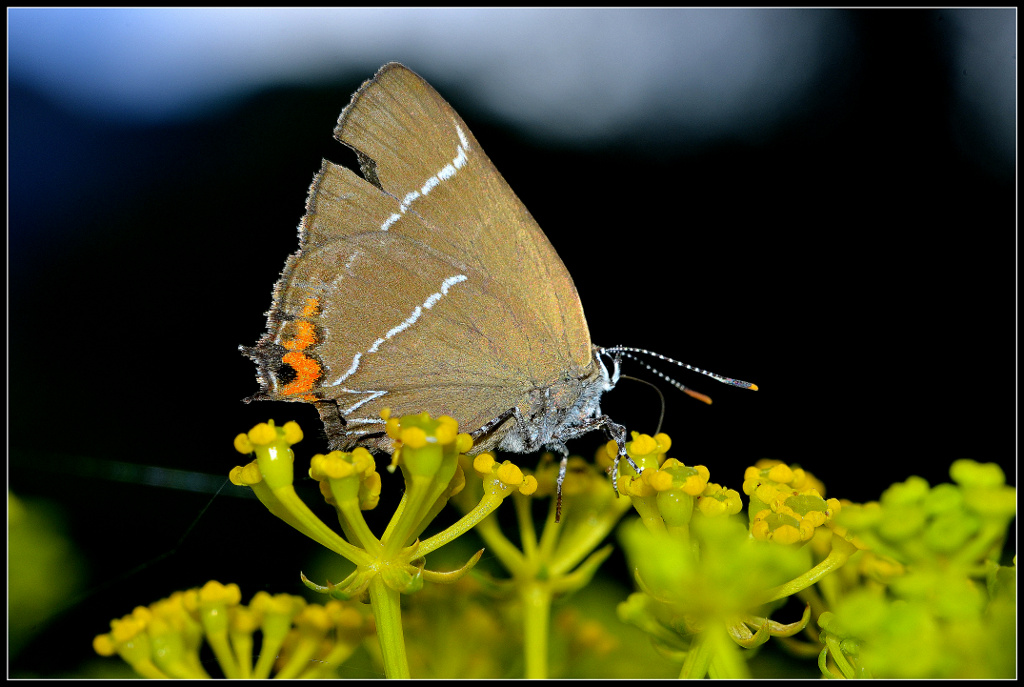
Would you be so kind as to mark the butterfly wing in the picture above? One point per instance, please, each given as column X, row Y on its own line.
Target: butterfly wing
column 425, row 285
column 417, row 149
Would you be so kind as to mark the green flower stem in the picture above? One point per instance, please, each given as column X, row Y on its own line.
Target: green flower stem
column 698, row 658
column 583, row 542
column 438, row 494
column 582, row 575
column 727, row 661
column 168, row 651
column 268, row 653
column 299, row 659
column 833, row 649
column 823, row 665
column 396, row 517
column 416, row 491
column 837, row 558
column 463, row 525
column 357, row 524
column 268, row 499
column 549, row 535
column 243, row 645
column 527, row 532
column 828, row 590
column 148, row 670
column 536, row 598
column 714, row 654
column 285, row 504
column 346, row 528
column 428, row 509
column 502, row 548
column 649, row 513
column 439, row 503
column 218, row 641
column 338, row 655
column 388, row 615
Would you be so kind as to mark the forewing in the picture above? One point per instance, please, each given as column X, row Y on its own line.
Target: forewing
column 419, row 151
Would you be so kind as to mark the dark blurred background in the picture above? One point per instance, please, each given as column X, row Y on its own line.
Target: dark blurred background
column 811, row 200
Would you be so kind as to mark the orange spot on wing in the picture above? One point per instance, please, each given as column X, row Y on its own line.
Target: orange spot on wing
column 303, row 336
column 307, row 372
column 312, row 308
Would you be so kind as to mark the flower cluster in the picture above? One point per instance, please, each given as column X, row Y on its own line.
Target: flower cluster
column 909, row 586
column 927, row 598
column 668, row 493
column 703, row 580
column 299, row 640
column 427, row 451
column 471, row 630
column 786, row 504
column 561, row 558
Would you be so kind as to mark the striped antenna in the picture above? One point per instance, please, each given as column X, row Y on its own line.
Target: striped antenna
column 627, row 350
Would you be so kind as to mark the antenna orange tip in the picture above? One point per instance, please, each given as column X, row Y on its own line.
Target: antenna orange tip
column 753, row 387
column 697, row 395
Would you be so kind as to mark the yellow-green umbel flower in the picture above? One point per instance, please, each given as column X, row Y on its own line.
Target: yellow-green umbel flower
column 676, row 501
column 700, row 597
column 786, row 504
column 668, row 492
column 558, row 560
column 164, row 639
column 935, row 550
column 965, row 522
column 427, row 451
column 787, row 508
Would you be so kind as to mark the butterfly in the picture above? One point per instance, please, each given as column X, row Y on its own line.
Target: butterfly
column 425, row 285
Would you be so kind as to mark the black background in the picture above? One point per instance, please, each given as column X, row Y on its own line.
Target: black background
column 856, row 265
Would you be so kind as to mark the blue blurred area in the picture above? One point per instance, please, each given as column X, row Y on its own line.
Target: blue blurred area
column 582, row 74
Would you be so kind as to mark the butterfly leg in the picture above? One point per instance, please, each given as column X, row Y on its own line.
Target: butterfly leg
column 491, row 425
column 617, row 433
column 614, row 432
column 561, row 478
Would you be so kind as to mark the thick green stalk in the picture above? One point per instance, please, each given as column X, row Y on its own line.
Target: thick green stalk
column 536, row 599
column 388, row 614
